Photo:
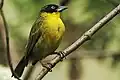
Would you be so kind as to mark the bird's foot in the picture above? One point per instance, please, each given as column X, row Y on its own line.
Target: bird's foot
column 48, row 66
column 61, row 54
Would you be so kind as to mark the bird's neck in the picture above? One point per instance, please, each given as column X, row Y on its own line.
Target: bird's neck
column 54, row 14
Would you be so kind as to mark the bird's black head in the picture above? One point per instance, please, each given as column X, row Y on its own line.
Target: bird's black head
column 53, row 8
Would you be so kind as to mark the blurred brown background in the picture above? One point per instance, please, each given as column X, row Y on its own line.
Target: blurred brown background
column 97, row 59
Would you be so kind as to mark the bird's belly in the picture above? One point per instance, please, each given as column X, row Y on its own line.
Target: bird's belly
column 46, row 45
column 50, row 43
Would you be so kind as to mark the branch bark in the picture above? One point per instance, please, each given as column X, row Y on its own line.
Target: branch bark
column 85, row 37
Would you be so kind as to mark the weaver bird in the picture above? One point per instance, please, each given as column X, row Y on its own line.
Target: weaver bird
column 45, row 36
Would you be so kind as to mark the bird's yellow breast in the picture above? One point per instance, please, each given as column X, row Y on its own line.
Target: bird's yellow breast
column 53, row 26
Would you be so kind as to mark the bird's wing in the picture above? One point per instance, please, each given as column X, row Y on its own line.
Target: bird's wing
column 35, row 34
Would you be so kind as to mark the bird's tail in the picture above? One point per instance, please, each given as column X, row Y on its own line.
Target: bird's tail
column 20, row 67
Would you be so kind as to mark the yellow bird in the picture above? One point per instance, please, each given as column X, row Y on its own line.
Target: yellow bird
column 45, row 36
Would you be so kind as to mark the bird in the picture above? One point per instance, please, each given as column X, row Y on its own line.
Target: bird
column 44, row 38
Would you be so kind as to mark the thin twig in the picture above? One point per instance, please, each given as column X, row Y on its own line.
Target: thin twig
column 7, row 40
column 86, row 36
column 1, row 3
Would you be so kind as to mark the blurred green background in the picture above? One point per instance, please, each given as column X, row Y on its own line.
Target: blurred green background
column 97, row 59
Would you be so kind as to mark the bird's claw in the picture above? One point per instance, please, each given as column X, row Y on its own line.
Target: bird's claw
column 48, row 66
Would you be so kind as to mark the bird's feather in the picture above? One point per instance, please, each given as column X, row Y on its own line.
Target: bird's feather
column 35, row 34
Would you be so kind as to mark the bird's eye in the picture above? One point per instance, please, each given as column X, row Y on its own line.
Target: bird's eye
column 52, row 7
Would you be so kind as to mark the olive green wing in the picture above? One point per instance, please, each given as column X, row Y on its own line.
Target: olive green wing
column 35, row 34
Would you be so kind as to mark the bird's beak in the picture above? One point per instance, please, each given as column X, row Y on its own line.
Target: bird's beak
column 61, row 8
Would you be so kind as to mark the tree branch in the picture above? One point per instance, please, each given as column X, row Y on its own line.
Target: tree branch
column 86, row 36
column 1, row 3
column 7, row 39
column 28, row 72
